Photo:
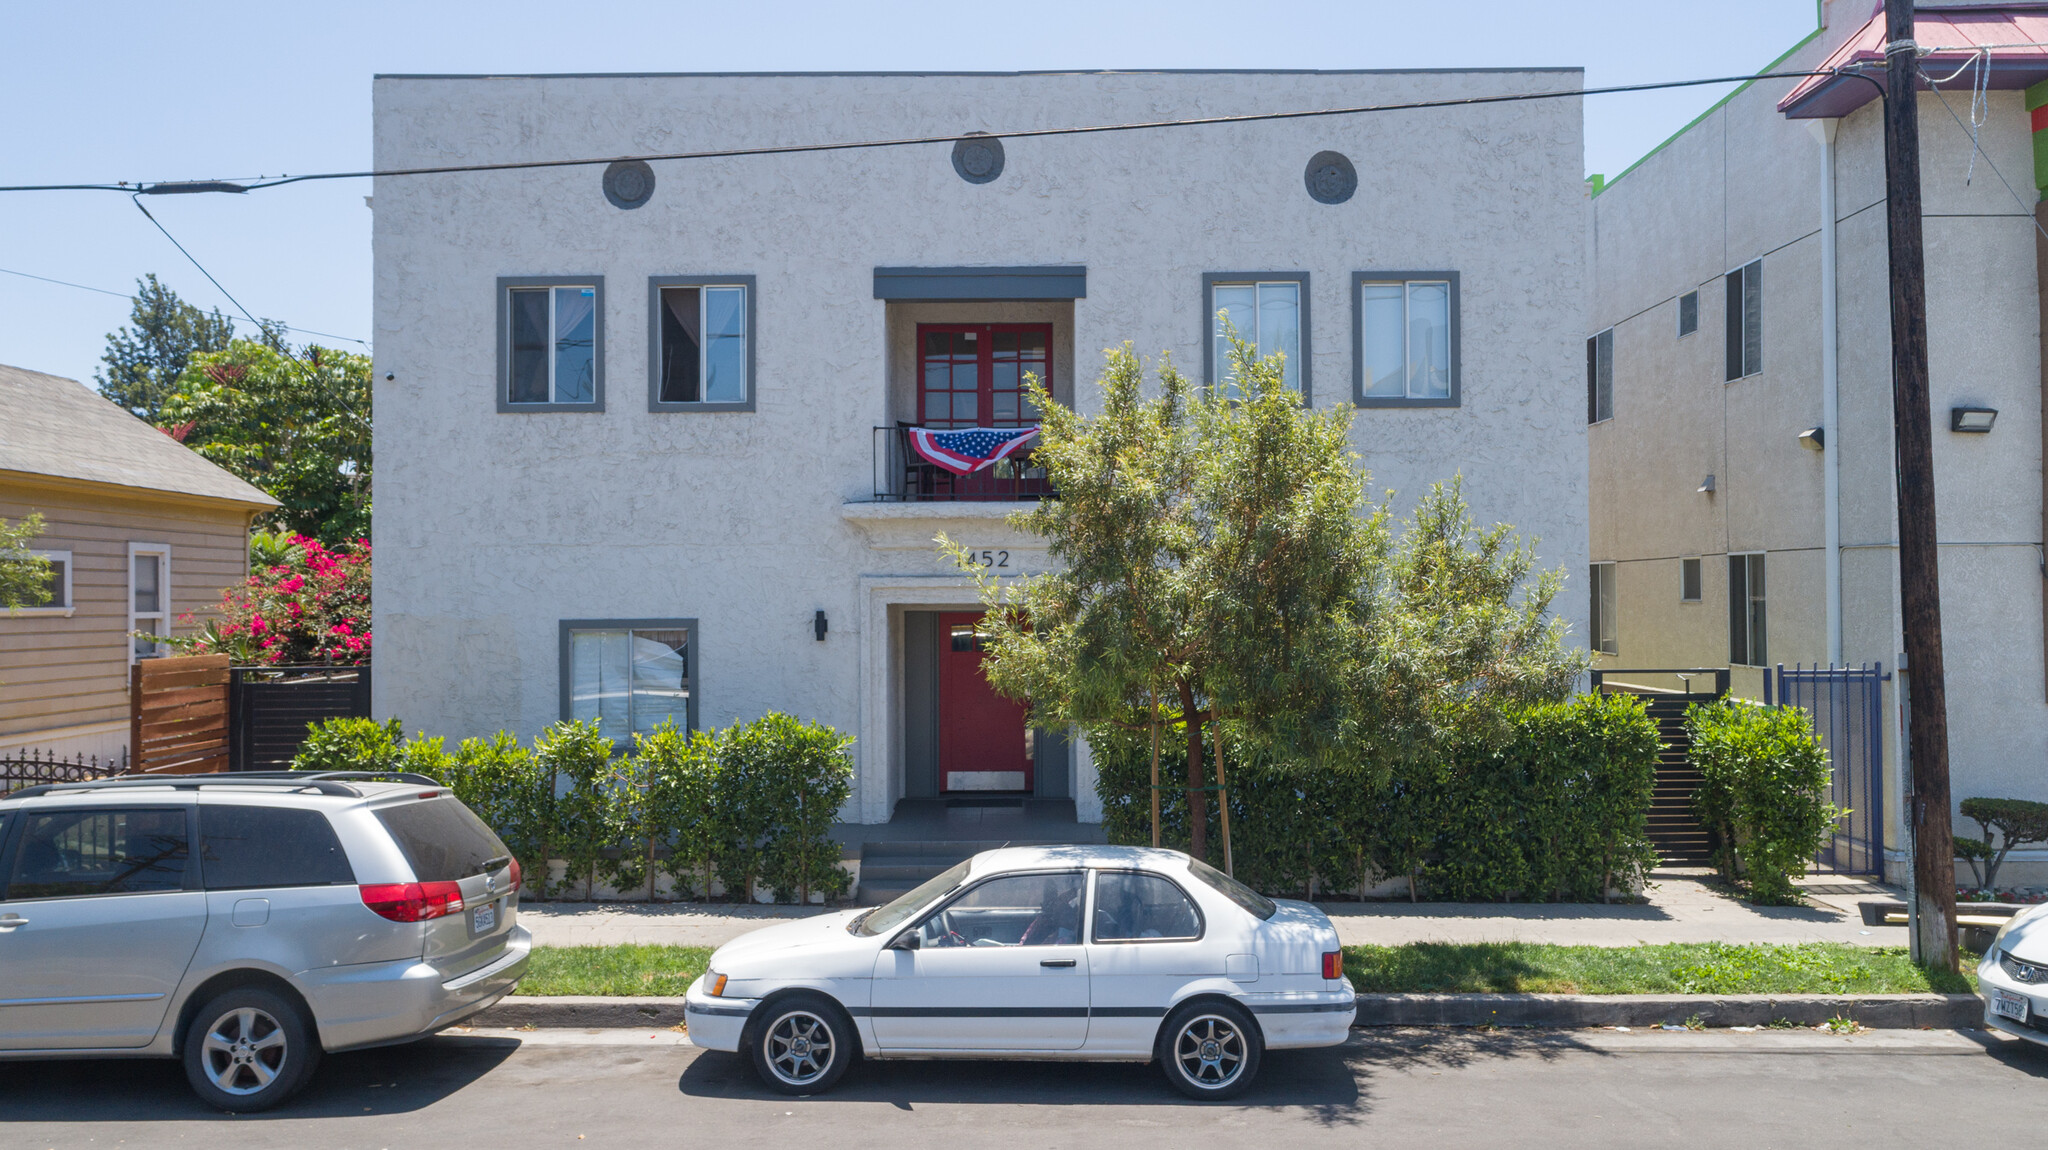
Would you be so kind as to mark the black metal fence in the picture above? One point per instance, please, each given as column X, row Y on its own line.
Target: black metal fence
column 902, row 475
column 33, row 768
column 1847, row 707
column 269, row 709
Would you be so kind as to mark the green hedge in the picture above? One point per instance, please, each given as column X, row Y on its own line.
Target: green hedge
column 752, row 803
column 1763, row 793
column 1556, row 811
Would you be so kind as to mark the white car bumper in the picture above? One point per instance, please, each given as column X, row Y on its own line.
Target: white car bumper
column 715, row 1023
column 1302, row 1020
column 1993, row 984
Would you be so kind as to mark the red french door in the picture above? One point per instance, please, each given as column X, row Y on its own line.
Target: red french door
column 982, row 743
column 972, row 374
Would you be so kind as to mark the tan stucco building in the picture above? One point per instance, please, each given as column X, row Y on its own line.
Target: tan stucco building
column 1739, row 393
column 141, row 533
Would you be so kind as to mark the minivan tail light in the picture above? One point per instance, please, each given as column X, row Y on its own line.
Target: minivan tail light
column 515, row 874
column 1333, row 964
column 412, row 901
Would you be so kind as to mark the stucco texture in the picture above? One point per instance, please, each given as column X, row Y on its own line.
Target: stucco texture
column 492, row 527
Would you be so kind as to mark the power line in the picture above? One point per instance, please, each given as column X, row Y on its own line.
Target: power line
column 130, row 296
column 178, row 187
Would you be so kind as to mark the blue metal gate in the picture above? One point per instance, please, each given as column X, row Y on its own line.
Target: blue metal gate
column 1846, row 704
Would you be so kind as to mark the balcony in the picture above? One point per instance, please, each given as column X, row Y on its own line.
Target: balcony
column 901, row 475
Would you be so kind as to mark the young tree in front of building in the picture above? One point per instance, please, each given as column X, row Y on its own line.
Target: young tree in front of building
column 1209, row 546
column 24, row 575
column 297, row 426
column 144, row 360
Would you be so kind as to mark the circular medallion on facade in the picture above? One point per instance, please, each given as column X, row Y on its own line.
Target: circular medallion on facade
column 978, row 157
column 628, row 183
column 1330, row 178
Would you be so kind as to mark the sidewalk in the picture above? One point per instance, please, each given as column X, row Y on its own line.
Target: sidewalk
column 1681, row 907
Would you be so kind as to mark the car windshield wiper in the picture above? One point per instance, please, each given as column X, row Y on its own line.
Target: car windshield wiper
column 493, row 863
column 853, row 925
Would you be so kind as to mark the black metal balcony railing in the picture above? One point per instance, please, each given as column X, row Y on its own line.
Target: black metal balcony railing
column 904, row 476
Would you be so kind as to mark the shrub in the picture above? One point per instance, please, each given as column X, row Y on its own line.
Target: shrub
column 1763, row 791
column 350, row 744
column 311, row 607
column 809, row 777
column 1555, row 809
column 1973, row 851
column 579, row 825
column 2017, row 822
column 665, row 807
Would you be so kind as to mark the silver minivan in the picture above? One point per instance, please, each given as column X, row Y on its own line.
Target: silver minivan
column 247, row 923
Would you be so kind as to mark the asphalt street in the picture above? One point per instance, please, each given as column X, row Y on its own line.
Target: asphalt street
column 1383, row 1089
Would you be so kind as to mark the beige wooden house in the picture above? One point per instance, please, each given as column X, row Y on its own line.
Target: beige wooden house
column 141, row 532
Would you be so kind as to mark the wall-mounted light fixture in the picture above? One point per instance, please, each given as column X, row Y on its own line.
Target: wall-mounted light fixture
column 1707, row 485
column 1972, row 419
column 1813, row 439
column 818, row 624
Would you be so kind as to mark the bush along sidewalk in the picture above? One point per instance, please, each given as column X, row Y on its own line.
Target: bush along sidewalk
column 1763, row 793
column 741, row 809
column 1556, row 808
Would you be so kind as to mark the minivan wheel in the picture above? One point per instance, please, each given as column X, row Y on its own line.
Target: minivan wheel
column 802, row 1044
column 249, row 1049
column 1210, row 1050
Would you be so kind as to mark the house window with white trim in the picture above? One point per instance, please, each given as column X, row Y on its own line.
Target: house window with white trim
column 57, row 584
column 149, row 599
column 629, row 675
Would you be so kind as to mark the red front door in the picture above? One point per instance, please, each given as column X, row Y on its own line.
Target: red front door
column 982, row 743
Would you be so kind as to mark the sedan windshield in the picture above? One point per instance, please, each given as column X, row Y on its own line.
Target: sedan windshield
column 887, row 918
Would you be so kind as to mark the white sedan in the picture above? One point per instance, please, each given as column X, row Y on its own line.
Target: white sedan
column 1054, row 952
column 2012, row 978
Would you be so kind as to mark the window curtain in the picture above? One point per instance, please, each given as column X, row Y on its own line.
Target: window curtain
column 575, row 345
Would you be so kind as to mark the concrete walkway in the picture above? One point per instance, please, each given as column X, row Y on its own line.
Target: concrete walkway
column 1681, row 906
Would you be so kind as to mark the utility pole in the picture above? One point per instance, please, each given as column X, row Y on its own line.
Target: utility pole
column 1934, row 865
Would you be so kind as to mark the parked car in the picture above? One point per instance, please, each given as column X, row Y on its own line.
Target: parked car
column 2012, row 978
column 1065, row 952
column 248, row 923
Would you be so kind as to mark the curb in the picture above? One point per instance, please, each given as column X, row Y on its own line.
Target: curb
column 1877, row 1011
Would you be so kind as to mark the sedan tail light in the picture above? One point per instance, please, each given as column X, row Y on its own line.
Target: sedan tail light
column 1333, row 964
column 412, row 901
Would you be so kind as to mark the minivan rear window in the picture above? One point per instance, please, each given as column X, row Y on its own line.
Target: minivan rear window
column 249, row 848
column 441, row 839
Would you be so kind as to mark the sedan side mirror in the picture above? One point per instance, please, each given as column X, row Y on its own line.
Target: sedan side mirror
column 908, row 940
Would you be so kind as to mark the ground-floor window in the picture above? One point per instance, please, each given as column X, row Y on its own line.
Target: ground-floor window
column 149, row 595
column 1746, row 631
column 630, row 675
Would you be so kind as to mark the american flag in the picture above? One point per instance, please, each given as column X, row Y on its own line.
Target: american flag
column 969, row 449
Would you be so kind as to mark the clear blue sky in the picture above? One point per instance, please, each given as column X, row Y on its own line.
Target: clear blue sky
column 110, row 91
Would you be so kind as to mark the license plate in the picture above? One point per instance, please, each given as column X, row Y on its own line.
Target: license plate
column 484, row 919
column 2009, row 1005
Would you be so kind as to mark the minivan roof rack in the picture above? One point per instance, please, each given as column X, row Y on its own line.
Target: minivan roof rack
column 323, row 782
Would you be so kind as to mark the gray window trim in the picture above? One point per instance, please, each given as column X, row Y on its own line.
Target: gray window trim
column 1019, row 282
column 1358, row 395
column 1700, row 575
column 654, row 286
column 1694, row 296
column 504, row 374
column 562, row 679
column 1208, row 317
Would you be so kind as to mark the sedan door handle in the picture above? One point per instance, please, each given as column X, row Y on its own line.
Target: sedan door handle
column 1056, row 962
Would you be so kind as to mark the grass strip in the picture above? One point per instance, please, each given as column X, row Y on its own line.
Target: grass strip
column 624, row 971
column 1672, row 968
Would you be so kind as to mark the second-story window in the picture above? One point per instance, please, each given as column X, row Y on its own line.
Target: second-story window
column 1406, row 327
column 552, row 344
column 1688, row 314
column 702, row 341
column 1268, row 310
column 1746, row 320
column 1600, row 377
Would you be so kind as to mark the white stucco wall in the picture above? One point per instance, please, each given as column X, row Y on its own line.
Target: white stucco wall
column 1742, row 184
column 492, row 527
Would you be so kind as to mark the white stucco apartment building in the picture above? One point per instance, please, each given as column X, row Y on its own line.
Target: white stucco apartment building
column 1742, row 518
column 639, row 428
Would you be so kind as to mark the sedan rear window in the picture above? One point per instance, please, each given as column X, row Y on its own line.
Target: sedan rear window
column 249, row 848
column 442, row 840
column 1233, row 890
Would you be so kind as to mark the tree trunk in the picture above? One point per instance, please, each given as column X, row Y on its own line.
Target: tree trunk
column 1198, row 799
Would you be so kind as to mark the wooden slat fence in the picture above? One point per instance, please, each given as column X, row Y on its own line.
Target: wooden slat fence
column 178, row 715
